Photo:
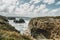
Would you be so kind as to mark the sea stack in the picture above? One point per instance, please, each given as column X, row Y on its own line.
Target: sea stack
column 19, row 21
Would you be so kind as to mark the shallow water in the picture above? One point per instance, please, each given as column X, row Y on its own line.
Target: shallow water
column 20, row 26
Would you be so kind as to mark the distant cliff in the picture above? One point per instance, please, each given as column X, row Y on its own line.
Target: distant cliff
column 49, row 27
column 8, row 32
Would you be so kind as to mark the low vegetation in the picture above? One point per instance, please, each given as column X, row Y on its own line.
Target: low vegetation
column 48, row 26
column 8, row 32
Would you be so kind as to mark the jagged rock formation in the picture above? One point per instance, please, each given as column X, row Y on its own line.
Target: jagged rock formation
column 8, row 32
column 19, row 21
column 48, row 26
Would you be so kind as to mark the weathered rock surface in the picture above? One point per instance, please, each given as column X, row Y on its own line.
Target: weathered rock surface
column 48, row 26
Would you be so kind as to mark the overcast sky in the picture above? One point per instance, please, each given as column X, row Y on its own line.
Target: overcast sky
column 30, row 8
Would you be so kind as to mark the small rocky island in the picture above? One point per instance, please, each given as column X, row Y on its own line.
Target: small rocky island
column 19, row 21
column 8, row 32
column 40, row 28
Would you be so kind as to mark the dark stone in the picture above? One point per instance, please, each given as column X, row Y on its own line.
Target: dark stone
column 19, row 21
column 37, row 32
column 11, row 18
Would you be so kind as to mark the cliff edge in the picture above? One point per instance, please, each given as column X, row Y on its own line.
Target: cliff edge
column 49, row 27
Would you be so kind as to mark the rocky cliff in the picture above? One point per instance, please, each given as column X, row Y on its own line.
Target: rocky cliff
column 49, row 27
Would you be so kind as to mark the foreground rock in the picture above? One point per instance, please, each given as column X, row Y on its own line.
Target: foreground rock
column 48, row 27
column 19, row 21
column 8, row 32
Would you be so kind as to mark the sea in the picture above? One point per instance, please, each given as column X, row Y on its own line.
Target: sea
column 22, row 27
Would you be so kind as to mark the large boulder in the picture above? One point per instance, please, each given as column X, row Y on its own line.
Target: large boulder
column 49, row 27
column 19, row 21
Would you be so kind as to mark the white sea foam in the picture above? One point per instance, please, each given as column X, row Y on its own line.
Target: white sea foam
column 22, row 27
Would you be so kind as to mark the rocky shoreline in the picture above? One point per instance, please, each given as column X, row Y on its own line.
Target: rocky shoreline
column 40, row 28
column 8, row 32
